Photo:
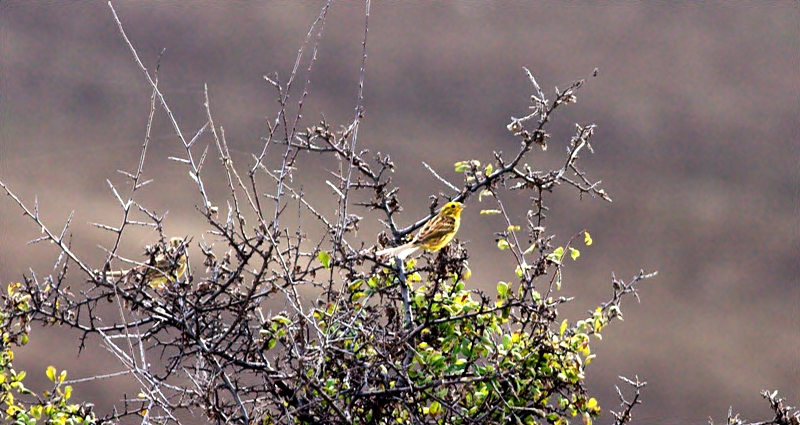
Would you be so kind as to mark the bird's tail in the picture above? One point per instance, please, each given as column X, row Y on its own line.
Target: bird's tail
column 401, row 251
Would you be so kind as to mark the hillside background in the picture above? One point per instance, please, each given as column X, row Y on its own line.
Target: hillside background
column 697, row 142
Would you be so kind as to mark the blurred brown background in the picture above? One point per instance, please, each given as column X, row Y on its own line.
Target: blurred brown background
column 697, row 108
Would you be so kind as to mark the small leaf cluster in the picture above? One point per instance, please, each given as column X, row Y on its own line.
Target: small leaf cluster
column 21, row 405
column 463, row 358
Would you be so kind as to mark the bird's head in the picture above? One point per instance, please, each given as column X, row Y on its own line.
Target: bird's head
column 177, row 246
column 452, row 208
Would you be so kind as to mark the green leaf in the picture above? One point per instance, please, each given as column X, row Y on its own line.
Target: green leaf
column 325, row 259
column 502, row 290
column 507, row 340
column 563, row 328
column 503, row 245
column 36, row 411
column 373, row 282
column 574, row 253
column 557, row 254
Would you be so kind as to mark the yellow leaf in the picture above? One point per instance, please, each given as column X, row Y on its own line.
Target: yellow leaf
column 503, row 245
column 355, row 285
column 490, row 212
column 11, row 410
column 462, row 166
column 279, row 318
column 435, row 408
column 51, row 373
column 530, row 249
column 587, row 239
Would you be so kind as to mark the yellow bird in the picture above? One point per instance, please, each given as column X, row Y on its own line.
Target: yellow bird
column 433, row 236
column 164, row 265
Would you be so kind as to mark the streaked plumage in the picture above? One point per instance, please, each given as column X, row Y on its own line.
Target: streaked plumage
column 433, row 236
column 164, row 266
